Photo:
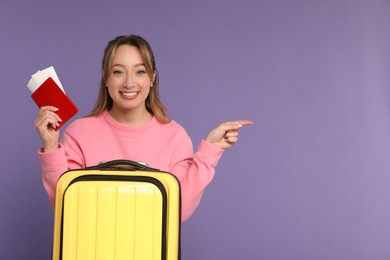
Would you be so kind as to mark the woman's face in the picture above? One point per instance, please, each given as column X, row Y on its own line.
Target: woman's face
column 128, row 83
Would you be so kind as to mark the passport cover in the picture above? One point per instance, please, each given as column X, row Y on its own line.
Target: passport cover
column 50, row 94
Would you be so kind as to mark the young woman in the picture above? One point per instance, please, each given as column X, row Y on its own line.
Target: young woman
column 129, row 122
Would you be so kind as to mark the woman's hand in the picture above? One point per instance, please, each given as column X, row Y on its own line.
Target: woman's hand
column 226, row 134
column 46, row 123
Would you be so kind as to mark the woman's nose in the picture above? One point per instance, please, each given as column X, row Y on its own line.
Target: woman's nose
column 128, row 81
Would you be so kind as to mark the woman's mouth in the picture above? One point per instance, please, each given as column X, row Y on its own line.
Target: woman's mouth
column 129, row 94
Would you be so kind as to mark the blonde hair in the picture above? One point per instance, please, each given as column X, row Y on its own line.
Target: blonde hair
column 153, row 103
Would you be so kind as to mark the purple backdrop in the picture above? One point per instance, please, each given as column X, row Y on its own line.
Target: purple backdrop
column 310, row 180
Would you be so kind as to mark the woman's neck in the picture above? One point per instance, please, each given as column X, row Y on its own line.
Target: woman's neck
column 132, row 118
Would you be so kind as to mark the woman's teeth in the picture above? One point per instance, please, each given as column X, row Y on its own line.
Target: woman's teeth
column 129, row 94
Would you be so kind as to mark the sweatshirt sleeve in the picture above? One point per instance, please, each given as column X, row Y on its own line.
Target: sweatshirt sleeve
column 56, row 162
column 195, row 173
column 53, row 164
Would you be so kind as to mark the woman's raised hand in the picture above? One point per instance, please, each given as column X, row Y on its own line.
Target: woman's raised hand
column 46, row 123
column 226, row 134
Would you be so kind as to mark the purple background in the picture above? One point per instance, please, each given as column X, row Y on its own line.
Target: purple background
column 311, row 178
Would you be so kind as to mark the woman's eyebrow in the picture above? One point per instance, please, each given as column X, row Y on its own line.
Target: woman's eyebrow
column 118, row 65
column 123, row 66
column 139, row 64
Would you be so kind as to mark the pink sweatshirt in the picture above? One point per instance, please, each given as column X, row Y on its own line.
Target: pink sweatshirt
column 91, row 140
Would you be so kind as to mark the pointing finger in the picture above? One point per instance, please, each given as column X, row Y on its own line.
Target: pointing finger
column 242, row 122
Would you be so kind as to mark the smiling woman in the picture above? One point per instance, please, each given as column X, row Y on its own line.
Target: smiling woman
column 129, row 85
column 114, row 62
column 129, row 122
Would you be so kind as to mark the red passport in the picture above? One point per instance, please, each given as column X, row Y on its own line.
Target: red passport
column 50, row 94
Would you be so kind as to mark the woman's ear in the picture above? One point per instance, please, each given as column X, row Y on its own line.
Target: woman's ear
column 153, row 78
column 103, row 79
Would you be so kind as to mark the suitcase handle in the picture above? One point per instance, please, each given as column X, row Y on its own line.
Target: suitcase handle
column 125, row 165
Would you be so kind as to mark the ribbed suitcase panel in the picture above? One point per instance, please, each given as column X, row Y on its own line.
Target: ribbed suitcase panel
column 112, row 220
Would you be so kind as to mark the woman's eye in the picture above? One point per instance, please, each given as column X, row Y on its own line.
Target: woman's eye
column 117, row 72
column 140, row 72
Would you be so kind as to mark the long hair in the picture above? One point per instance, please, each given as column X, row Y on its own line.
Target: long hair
column 153, row 103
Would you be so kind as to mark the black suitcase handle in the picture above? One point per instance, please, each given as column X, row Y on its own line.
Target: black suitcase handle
column 125, row 165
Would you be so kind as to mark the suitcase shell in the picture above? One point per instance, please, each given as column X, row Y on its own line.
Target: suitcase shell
column 117, row 212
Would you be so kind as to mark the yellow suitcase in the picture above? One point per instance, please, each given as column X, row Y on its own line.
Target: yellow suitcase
column 117, row 210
